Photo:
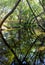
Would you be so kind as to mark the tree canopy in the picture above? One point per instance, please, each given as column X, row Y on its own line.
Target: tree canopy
column 22, row 32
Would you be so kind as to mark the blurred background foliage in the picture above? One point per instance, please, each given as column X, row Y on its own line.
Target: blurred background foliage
column 20, row 31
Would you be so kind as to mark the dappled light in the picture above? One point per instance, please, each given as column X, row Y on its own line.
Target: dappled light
column 22, row 32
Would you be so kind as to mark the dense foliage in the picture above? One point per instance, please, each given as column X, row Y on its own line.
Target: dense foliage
column 22, row 32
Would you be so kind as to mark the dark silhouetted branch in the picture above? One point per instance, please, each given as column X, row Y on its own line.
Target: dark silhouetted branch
column 10, row 12
column 30, row 48
column 42, row 5
column 9, row 46
column 35, row 16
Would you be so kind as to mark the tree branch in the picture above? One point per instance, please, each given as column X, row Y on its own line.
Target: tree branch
column 30, row 48
column 9, row 13
column 9, row 46
column 35, row 16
